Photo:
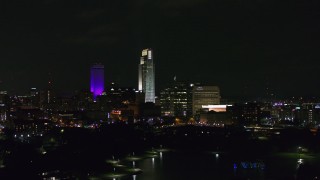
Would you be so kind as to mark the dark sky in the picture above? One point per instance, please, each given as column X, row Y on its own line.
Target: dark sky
column 240, row 45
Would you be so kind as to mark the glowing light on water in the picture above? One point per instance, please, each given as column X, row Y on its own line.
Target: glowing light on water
column 161, row 155
column 134, row 177
column 235, row 168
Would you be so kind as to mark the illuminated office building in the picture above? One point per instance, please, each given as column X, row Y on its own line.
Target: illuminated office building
column 146, row 75
column 97, row 80
column 204, row 95
column 176, row 100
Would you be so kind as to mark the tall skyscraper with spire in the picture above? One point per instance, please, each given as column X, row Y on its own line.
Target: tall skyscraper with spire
column 146, row 75
column 97, row 80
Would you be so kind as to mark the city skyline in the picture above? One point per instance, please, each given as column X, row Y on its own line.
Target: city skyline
column 157, row 90
column 244, row 48
column 265, row 93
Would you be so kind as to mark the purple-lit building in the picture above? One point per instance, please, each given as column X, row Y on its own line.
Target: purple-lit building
column 97, row 80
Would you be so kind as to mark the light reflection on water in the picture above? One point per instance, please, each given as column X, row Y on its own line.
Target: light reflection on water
column 204, row 166
column 179, row 165
column 207, row 166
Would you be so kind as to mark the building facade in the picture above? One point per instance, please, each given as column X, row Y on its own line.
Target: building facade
column 146, row 82
column 204, row 95
column 97, row 80
column 245, row 113
column 4, row 102
column 176, row 100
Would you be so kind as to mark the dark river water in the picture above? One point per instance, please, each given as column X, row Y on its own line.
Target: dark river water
column 212, row 165
column 205, row 165
column 185, row 165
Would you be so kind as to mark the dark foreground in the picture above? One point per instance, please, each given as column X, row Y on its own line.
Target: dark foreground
column 144, row 152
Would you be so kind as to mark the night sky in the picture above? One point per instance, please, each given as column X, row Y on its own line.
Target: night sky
column 243, row 46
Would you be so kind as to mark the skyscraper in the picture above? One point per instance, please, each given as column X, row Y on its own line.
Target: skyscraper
column 176, row 100
column 97, row 80
column 146, row 75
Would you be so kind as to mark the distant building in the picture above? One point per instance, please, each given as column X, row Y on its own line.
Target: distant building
column 176, row 100
column 28, row 113
column 119, row 96
column 149, row 111
column 216, row 108
column 97, row 80
column 46, row 96
column 305, row 114
column 204, row 95
column 4, row 102
column 4, row 97
column 116, row 97
column 146, row 82
column 35, row 97
column 83, row 99
column 245, row 114
column 219, row 119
